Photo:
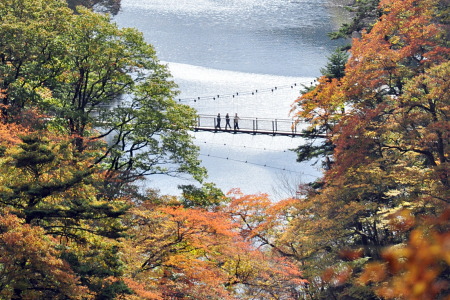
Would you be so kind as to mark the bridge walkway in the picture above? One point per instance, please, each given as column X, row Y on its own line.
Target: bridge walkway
column 251, row 125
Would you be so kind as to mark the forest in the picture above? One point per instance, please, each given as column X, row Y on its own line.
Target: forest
column 87, row 111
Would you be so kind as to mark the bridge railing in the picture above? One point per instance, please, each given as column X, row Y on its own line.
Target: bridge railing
column 250, row 125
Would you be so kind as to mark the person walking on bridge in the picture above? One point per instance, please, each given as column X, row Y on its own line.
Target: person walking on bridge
column 236, row 121
column 218, row 121
column 227, row 121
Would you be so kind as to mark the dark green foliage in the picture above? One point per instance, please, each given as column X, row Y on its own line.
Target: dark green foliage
column 114, row 290
column 2, row 150
column 95, row 267
column 206, row 196
column 36, row 183
column 110, row 6
column 365, row 14
column 315, row 147
column 35, row 153
column 335, row 68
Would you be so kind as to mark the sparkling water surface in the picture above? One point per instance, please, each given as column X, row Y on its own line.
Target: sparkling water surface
column 225, row 47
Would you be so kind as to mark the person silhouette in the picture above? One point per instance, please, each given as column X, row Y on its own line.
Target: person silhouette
column 236, row 121
column 218, row 121
column 227, row 123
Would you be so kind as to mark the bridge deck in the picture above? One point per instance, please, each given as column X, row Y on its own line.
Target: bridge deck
column 248, row 131
column 265, row 126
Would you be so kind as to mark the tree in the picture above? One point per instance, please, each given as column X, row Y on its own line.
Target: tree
column 407, row 273
column 110, row 6
column 74, row 64
column 364, row 15
column 179, row 252
column 264, row 224
column 56, row 192
column 57, row 174
column 29, row 50
column 316, row 143
column 30, row 267
column 208, row 196
column 388, row 130
column 335, row 68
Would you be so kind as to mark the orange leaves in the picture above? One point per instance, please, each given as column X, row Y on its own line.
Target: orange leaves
column 180, row 250
column 402, row 220
column 198, row 253
column 373, row 272
column 259, row 218
column 414, row 270
column 402, row 43
column 337, row 276
column 8, row 133
column 394, row 94
column 323, row 105
column 250, row 211
column 200, row 221
column 369, row 68
column 31, row 268
column 416, row 24
column 288, row 272
column 140, row 290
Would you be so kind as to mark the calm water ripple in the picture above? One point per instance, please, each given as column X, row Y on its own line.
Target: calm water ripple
column 226, row 46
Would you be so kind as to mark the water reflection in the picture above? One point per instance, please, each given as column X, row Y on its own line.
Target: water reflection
column 221, row 47
column 266, row 36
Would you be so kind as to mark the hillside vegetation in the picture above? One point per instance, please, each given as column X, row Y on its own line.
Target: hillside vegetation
column 87, row 111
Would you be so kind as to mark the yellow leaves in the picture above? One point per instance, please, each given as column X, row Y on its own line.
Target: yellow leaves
column 45, row 93
column 241, row 265
column 413, row 270
column 394, row 40
column 323, row 105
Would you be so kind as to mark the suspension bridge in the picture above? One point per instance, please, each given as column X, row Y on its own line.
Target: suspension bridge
column 250, row 125
column 247, row 125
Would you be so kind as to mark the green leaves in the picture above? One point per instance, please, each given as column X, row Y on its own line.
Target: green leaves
column 335, row 67
column 86, row 73
column 207, row 196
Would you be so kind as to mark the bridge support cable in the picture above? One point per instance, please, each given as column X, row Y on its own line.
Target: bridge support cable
column 265, row 165
column 235, row 95
column 257, row 149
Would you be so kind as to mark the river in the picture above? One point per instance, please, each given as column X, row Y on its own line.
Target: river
column 240, row 56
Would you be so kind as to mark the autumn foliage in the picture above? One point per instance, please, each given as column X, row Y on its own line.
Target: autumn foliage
column 388, row 122
column 74, row 224
column 204, row 253
column 31, row 266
